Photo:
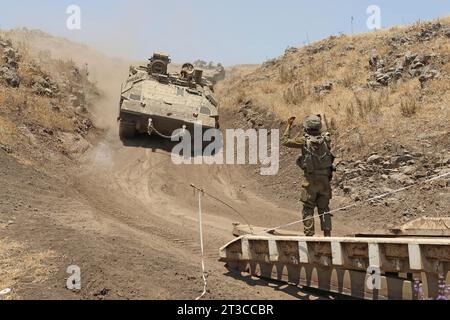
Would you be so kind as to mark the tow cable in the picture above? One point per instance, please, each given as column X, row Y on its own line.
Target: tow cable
column 151, row 129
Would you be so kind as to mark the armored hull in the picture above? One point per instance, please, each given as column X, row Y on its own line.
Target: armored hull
column 161, row 103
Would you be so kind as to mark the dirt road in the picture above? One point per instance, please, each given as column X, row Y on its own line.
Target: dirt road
column 128, row 218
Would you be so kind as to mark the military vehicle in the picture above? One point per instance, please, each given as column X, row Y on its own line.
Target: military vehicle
column 155, row 101
column 212, row 73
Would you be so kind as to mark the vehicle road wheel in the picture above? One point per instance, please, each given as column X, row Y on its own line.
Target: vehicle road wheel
column 127, row 130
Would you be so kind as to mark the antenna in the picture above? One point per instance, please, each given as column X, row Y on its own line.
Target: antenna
column 352, row 19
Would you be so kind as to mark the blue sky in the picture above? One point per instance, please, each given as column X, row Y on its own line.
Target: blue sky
column 230, row 31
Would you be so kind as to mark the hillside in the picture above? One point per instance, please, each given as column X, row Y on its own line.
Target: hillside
column 45, row 105
column 385, row 96
column 105, row 72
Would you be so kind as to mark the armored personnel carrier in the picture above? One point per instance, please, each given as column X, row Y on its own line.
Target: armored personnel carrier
column 212, row 73
column 155, row 101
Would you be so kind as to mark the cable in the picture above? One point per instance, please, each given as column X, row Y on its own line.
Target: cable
column 152, row 128
column 205, row 274
column 225, row 204
column 200, row 218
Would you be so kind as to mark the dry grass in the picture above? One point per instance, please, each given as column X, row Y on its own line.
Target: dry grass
column 295, row 94
column 9, row 134
column 409, row 106
column 38, row 110
column 19, row 264
column 35, row 108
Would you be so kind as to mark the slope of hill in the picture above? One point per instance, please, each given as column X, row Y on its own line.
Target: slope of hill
column 385, row 96
column 45, row 104
column 106, row 72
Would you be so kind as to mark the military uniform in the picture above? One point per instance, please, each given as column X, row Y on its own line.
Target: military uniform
column 316, row 187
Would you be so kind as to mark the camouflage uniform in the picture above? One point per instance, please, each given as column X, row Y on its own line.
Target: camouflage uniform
column 316, row 188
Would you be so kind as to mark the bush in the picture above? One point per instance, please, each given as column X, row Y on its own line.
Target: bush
column 295, row 94
column 287, row 74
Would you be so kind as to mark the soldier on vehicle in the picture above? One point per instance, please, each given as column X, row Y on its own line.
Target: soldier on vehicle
column 316, row 162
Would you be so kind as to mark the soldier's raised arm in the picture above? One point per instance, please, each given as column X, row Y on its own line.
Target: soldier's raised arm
column 296, row 143
column 327, row 137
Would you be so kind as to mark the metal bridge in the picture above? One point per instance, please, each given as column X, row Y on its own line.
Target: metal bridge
column 410, row 263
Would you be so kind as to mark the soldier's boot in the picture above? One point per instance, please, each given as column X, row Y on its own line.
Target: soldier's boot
column 325, row 221
column 308, row 223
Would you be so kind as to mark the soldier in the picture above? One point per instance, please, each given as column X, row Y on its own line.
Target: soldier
column 316, row 162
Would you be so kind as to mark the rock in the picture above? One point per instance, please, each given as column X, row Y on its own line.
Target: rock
column 391, row 201
column 447, row 32
column 347, row 189
column 81, row 110
column 428, row 74
column 383, row 78
column 349, row 47
column 444, row 161
column 415, row 65
column 444, row 200
column 407, row 215
column 10, row 76
column 396, row 161
column 323, row 88
column 11, row 57
column 409, row 57
column 375, row 159
column 291, row 50
column 373, row 61
column 324, row 46
column 386, row 165
column 399, row 40
column 386, row 190
column 420, row 174
column 429, row 31
column 408, row 170
column 399, row 68
column 6, row 148
column 5, row 43
column 401, row 179
column 44, row 86
column 373, row 84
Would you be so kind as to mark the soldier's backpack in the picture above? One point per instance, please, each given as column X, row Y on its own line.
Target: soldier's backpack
column 316, row 154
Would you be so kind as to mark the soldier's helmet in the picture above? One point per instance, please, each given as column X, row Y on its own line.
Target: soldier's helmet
column 313, row 124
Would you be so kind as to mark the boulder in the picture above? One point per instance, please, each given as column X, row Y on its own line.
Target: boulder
column 10, row 76
column 323, row 88
column 401, row 178
column 375, row 159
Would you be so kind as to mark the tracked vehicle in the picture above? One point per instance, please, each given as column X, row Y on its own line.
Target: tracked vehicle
column 155, row 101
